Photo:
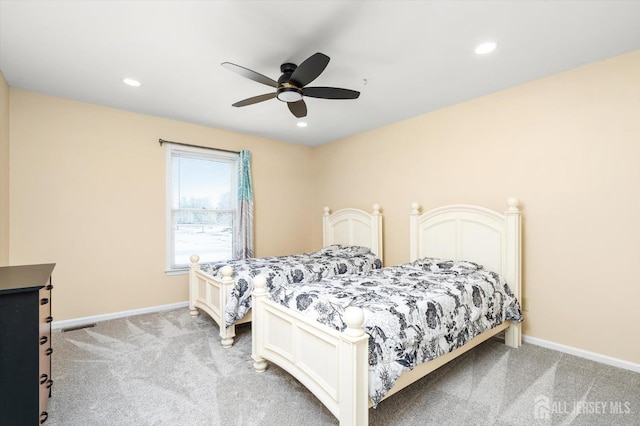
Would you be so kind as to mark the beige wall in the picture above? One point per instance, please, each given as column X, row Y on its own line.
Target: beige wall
column 88, row 193
column 568, row 146
column 4, row 171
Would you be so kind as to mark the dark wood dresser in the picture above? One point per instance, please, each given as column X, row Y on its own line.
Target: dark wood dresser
column 25, row 343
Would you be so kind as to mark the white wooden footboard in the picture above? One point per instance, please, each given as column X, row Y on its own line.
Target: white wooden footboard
column 211, row 295
column 332, row 365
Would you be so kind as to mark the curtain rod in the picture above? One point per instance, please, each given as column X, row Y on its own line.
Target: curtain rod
column 197, row 146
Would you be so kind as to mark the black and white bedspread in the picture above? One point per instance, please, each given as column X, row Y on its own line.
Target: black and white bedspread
column 330, row 261
column 413, row 312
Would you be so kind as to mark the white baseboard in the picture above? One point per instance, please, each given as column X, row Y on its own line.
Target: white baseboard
column 582, row 353
column 79, row 322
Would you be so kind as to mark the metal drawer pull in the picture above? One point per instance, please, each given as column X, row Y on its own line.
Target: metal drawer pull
column 49, row 351
column 49, row 319
column 43, row 340
column 43, row 417
column 49, row 287
column 43, row 378
column 49, row 384
column 44, row 301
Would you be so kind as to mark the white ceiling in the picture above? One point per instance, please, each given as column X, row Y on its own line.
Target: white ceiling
column 405, row 57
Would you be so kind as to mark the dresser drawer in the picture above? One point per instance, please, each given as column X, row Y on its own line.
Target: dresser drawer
column 46, row 350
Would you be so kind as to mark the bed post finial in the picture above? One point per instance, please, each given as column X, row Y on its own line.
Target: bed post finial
column 513, row 204
column 260, row 285
column 415, row 208
column 327, row 211
column 227, row 273
column 376, row 209
column 354, row 318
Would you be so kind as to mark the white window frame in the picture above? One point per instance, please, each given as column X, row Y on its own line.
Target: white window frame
column 174, row 150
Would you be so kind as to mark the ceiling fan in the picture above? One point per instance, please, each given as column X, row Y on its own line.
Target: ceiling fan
column 290, row 87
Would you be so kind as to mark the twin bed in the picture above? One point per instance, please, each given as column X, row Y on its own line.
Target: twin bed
column 356, row 340
column 352, row 244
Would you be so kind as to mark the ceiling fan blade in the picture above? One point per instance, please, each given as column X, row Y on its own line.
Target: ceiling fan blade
column 252, row 75
column 255, row 100
column 330, row 93
column 299, row 109
column 310, row 69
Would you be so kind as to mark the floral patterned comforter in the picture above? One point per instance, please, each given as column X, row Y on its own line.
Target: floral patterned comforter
column 413, row 312
column 334, row 260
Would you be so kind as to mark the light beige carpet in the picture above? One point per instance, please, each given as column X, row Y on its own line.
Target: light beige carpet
column 169, row 369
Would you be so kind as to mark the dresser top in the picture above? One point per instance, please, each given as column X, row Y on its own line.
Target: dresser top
column 24, row 277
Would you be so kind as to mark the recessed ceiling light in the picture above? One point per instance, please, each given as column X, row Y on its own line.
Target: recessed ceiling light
column 131, row 82
column 301, row 124
column 485, row 48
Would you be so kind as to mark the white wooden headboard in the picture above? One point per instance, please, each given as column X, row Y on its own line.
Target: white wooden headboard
column 478, row 234
column 353, row 227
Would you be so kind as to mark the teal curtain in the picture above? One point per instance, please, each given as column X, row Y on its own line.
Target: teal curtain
column 244, row 235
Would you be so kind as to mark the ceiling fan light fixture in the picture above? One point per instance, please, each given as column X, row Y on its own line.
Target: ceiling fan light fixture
column 289, row 94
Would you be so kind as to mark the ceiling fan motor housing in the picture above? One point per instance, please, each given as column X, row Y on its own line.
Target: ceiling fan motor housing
column 286, row 69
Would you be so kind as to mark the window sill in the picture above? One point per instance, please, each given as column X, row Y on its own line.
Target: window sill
column 177, row 271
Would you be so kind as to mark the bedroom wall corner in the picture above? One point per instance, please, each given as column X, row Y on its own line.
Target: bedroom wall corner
column 4, row 171
column 568, row 147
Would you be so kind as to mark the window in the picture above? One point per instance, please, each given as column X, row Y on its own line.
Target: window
column 201, row 205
